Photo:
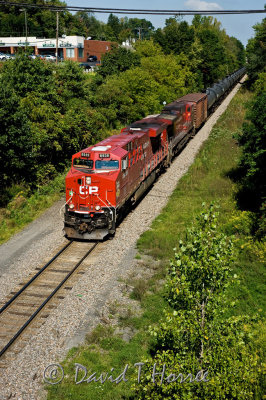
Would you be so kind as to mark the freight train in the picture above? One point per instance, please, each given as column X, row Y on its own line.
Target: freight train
column 106, row 179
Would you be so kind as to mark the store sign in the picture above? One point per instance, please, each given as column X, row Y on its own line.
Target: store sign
column 66, row 45
column 48, row 45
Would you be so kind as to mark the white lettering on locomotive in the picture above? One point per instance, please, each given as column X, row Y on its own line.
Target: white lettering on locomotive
column 82, row 190
column 92, row 189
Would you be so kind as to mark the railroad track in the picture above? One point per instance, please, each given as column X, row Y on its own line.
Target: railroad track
column 33, row 301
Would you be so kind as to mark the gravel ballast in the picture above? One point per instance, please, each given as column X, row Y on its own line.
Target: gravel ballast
column 87, row 303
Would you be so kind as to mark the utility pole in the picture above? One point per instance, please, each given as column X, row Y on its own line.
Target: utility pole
column 57, row 28
column 26, row 26
column 139, row 29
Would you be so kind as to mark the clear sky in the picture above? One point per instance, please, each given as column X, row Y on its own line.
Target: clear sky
column 239, row 26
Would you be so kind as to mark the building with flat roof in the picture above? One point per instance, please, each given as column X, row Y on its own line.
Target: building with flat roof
column 75, row 48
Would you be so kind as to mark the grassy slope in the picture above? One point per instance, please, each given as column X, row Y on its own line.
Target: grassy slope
column 25, row 208
column 205, row 181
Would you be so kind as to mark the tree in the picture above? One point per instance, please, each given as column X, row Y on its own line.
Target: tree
column 70, row 82
column 213, row 56
column 113, row 28
column 16, row 142
column 41, row 22
column 139, row 28
column 256, row 52
column 118, row 60
column 251, row 171
column 176, row 37
column 45, row 117
column 22, row 76
column 148, row 48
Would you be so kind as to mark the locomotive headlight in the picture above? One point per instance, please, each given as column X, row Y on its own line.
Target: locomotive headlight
column 97, row 208
column 88, row 180
column 71, row 206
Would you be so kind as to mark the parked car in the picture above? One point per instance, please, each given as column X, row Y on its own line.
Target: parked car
column 84, row 65
column 34, row 56
column 3, row 57
column 92, row 59
column 49, row 57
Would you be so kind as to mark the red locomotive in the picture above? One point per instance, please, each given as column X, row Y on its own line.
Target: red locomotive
column 106, row 179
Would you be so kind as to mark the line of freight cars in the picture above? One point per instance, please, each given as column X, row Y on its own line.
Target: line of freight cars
column 107, row 178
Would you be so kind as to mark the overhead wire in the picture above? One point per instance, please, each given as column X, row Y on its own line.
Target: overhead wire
column 129, row 11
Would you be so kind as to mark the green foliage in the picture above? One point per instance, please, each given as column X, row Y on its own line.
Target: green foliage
column 131, row 96
column 87, row 25
column 113, row 27
column 15, row 140
column 125, row 28
column 201, row 266
column 118, row 60
column 142, row 90
column 23, row 206
column 212, row 65
column 176, row 37
column 148, row 48
column 40, row 22
column 45, row 118
column 251, row 170
column 24, row 75
column 140, row 28
column 195, row 336
column 256, row 53
column 210, row 53
column 70, row 81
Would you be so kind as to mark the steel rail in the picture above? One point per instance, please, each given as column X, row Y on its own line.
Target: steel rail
column 45, row 302
column 34, row 277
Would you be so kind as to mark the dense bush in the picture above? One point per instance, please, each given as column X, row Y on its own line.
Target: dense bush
column 251, row 171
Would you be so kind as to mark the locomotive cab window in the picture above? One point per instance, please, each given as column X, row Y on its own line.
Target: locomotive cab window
column 109, row 165
column 80, row 163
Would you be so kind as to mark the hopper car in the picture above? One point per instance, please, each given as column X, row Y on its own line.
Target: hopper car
column 107, row 178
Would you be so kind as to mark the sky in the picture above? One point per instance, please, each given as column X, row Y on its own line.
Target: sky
column 239, row 26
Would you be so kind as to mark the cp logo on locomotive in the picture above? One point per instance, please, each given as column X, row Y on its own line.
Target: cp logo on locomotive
column 92, row 189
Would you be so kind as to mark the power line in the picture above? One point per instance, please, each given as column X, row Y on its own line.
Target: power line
column 131, row 11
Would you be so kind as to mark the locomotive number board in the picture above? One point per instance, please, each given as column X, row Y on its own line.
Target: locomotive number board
column 104, row 155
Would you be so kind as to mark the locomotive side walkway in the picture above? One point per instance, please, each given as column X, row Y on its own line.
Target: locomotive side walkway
column 88, row 300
